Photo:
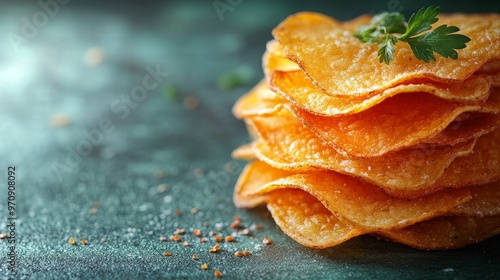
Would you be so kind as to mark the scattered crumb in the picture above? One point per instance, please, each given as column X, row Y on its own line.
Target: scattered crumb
column 177, row 212
column 215, row 249
column 195, row 257
column 218, row 273
column 160, row 174
column 72, row 241
column 235, row 224
column 3, row 235
column 198, row 172
column 203, row 239
column 194, row 210
column 217, row 238
column 266, row 241
column 175, row 238
column 211, row 233
column 257, row 227
column 191, row 102
column 161, row 188
column 229, row 167
column 94, row 56
column 185, row 243
column 246, row 252
column 230, row 238
column 180, row 231
column 163, row 239
column 197, row 232
column 59, row 120
column 238, row 254
column 84, row 242
column 204, row 266
column 167, row 254
column 246, row 232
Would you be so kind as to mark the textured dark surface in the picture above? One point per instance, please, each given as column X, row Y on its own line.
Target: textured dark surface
column 46, row 75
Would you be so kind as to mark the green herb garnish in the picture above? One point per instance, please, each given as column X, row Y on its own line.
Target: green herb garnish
column 386, row 29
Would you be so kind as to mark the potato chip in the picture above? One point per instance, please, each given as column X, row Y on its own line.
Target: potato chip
column 301, row 92
column 480, row 167
column 274, row 59
column 355, row 200
column 485, row 202
column 444, row 233
column 472, row 125
column 244, row 152
column 253, row 177
column 401, row 121
column 340, row 64
column 260, row 100
column 285, row 143
column 307, row 221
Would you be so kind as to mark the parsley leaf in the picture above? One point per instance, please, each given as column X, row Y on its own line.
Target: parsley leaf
column 384, row 27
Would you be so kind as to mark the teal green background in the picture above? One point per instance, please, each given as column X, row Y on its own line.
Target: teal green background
column 45, row 75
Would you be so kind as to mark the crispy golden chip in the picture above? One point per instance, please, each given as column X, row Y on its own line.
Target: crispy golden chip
column 301, row 92
column 259, row 100
column 285, row 143
column 275, row 59
column 307, row 221
column 372, row 132
column 444, row 233
column 477, row 125
column 480, row 167
column 244, row 152
column 255, row 175
column 402, row 121
column 355, row 200
column 340, row 64
column 485, row 202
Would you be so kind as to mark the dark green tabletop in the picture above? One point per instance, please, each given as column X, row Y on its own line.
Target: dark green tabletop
column 118, row 125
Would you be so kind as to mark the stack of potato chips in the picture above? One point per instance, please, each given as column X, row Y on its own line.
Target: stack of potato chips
column 344, row 145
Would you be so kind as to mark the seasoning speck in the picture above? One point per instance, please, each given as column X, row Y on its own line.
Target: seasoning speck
column 238, row 254
column 215, row 249
column 180, row 231
column 191, row 102
column 266, row 241
column 175, row 238
column 167, row 254
column 198, row 172
column 195, row 257
column 84, row 242
column 217, row 238
column 72, row 241
column 161, row 188
column 59, row 120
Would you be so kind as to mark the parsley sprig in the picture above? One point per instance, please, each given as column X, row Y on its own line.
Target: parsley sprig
column 386, row 29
